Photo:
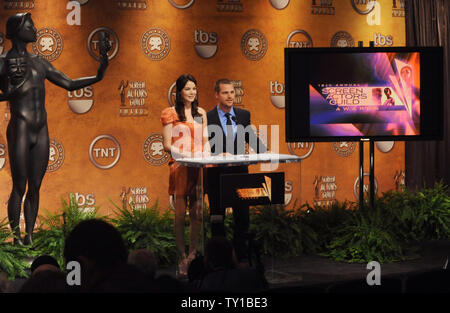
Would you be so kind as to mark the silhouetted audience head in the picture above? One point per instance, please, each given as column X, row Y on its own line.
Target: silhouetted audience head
column 145, row 261
column 5, row 284
column 98, row 242
column 43, row 263
column 45, row 281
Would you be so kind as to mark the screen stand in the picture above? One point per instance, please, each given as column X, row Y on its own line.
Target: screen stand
column 371, row 173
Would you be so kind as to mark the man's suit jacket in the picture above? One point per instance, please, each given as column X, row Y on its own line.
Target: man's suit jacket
column 242, row 118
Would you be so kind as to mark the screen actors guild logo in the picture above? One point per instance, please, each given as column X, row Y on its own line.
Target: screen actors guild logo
column 2, row 155
column 155, row 44
column 239, row 92
column 322, row 7
column 134, row 97
column 93, row 46
column 229, row 6
column 153, row 150
column 363, row 7
column 131, row 4
column 81, row 100
column 49, row 44
column 279, row 4
column 135, row 197
column 253, row 44
column 399, row 180
column 324, row 190
column 56, row 155
column 179, row 4
column 19, row 4
column 299, row 39
column 342, row 39
column 205, row 43
column 301, row 149
column 344, row 148
column 104, row 152
column 398, row 8
column 365, row 186
column 277, row 94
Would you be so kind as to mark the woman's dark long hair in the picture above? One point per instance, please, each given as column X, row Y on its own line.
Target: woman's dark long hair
column 179, row 103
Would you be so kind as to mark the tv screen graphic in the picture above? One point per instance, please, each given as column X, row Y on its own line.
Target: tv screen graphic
column 359, row 93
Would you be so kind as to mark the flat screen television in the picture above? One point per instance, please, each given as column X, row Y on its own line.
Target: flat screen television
column 352, row 94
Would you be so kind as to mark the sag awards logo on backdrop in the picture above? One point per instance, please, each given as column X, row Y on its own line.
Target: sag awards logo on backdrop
column 181, row 4
column 277, row 94
column 279, row 4
column 398, row 8
column 301, row 149
column 2, row 155
column 153, row 150
column 132, row 4
column 81, row 100
column 239, row 93
column 205, row 44
column 104, row 152
column 133, row 95
column 299, row 39
column 56, row 155
column 344, row 148
column 93, row 43
column 155, row 44
column 2, row 40
column 18, row 4
column 322, row 7
column 384, row 146
column 366, row 185
column 342, row 39
column 134, row 198
column 399, row 180
column 49, row 44
column 325, row 188
column 253, row 44
column 230, row 6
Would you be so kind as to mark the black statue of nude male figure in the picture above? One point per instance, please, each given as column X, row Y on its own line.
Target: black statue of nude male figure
column 22, row 81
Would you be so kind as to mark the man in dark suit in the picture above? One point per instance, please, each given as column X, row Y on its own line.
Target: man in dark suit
column 229, row 129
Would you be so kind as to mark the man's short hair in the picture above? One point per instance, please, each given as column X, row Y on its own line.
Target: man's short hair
column 222, row 81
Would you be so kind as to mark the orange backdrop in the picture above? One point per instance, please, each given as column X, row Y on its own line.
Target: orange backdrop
column 156, row 41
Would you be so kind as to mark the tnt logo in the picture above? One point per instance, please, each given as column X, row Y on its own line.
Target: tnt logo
column 104, row 151
column 366, row 185
column 2, row 155
column 383, row 40
column 299, row 39
column 277, row 94
column 205, row 43
column 301, row 149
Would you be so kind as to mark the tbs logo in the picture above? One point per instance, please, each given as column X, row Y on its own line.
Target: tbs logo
column 80, row 101
column 277, row 94
column 86, row 202
column 382, row 40
column 205, row 43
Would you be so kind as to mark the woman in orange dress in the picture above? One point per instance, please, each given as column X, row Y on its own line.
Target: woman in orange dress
column 185, row 135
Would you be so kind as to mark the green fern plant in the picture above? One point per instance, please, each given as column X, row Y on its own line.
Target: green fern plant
column 12, row 257
column 54, row 228
column 150, row 229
